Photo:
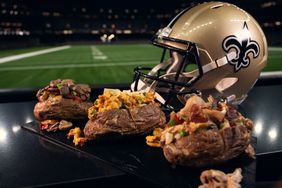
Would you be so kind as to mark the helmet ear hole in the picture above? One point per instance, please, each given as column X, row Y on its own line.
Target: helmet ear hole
column 225, row 83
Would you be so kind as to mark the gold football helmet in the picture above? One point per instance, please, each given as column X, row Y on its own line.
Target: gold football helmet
column 214, row 48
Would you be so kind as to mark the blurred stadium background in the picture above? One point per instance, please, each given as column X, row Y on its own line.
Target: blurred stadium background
column 99, row 41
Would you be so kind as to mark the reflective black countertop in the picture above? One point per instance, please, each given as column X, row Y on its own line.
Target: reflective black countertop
column 28, row 159
column 263, row 106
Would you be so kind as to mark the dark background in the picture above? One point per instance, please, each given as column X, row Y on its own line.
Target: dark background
column 40, row 22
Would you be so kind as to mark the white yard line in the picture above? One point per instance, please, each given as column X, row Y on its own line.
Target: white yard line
column 39, row 67
column 97, row 54
column 271, row 73
column 275, row 49
column 31, row 54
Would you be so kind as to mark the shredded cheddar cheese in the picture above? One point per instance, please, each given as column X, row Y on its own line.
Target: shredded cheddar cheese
column 116, row 99
column 77, row 138
column 154, row 141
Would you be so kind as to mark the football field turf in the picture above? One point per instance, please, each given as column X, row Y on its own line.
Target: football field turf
column 92, row 64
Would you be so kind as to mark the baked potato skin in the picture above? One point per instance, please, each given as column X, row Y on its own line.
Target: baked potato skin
column 133, row 121
column 208, row 146
column 61, row 108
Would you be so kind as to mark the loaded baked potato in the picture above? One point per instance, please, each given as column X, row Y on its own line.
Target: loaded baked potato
column 203, row 134
column 63, row 99
column 123, row 113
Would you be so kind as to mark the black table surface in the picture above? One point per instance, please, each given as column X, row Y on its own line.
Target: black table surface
column 264, row 107
column 28, row 159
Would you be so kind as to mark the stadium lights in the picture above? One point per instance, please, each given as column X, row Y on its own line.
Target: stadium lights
column 127, row 31
column 118, row 31
column 272, row 24
column 56, row 14
column 45, row 14
column 107, row 38
column 110, row 20
column 19, row 33
column 277, row 23
column 112, row 36
column 104, row 38
column 268, row 4
column 47, row 25
column 13, row 32
column 94, row 32
column 67, row 32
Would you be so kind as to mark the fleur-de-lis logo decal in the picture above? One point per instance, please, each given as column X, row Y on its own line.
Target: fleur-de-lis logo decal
column 243, row 49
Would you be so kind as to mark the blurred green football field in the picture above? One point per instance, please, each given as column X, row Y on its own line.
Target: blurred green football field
column 91, row 64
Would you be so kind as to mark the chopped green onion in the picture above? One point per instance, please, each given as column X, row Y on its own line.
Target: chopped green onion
column 74, row 93
column 95, row 102
column 52, row 95
column 183, row 133
column 185, row 118
column 241, row 122
column 172, row 122
column 94, row 112
column 214, row 105
column 59, row 85
column 221, row 125
column 140, row 101
column 155, row 133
